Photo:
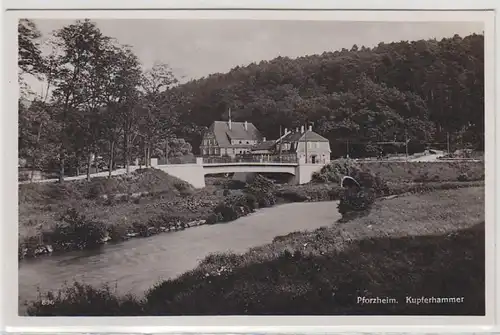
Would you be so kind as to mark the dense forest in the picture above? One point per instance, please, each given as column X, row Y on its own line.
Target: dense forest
column 426, row 89
column 99, row 100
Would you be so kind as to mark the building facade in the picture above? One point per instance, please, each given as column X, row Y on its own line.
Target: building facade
column 229, row 138
column 306, row 145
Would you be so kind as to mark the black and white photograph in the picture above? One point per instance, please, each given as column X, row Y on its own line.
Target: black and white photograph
column 208, row 167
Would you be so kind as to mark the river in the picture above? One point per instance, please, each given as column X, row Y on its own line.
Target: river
column 136, row 265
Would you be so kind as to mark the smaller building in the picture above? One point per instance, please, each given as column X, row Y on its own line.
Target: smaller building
column 306, row 145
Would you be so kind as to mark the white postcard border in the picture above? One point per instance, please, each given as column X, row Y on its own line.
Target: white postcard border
column 238, row 324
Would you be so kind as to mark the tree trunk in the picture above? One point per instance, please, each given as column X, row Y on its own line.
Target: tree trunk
column 166, row 151
column 61, row 166
column 145, row 149
column 126, row 157
column 149, row 154
column 34, row 159
column 89, row 162
column 111, row 153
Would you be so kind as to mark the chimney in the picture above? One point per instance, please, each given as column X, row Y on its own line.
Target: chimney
column 246, row 125
column 286, row 131
column 263, row 139
column 297, row 129
column 310, row 128
column 302, row 129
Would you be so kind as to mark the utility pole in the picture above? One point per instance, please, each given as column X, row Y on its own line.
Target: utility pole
column 280, row 148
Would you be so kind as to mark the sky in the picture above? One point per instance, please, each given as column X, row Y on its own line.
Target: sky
column 197, row 48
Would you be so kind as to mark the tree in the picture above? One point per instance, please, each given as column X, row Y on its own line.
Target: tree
column 30, row 61
column 79, row 50
column 29, row 55
column 157, row 118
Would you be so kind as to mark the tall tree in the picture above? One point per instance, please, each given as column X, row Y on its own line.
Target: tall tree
column 158, row 119
column 78, row 51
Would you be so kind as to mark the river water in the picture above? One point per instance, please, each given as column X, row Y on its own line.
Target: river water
column 136, row 265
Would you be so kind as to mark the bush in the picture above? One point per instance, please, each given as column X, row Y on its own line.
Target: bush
column 335, row 171
column 235, row 184
column 251, row 201
column 211, row 219
column 226, row 193
column 141, row 228
column 263, row 190
column 463, row 177
column 354, row 200
column 84, row 300
column 227, row 211
column 297, row 195
column 75, row 231
column 117, row 232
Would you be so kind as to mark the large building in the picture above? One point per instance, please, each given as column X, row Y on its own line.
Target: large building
column 229, row 138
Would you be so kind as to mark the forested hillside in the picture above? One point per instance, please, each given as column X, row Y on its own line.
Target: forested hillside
column 100, row 101
column 362, row 95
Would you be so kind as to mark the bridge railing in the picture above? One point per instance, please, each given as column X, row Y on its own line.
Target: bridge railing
column 177, row 160
column 251, row 159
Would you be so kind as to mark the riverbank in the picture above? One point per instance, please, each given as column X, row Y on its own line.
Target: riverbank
column 56, row 218
column 428, row 244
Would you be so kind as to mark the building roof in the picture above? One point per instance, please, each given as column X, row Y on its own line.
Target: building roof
column 224, row 135
column 309, row 136
column 267, row 145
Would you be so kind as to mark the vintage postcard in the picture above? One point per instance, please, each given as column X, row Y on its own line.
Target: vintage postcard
column 252, row 165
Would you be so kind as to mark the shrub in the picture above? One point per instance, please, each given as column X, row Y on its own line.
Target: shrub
column 141, row 228
column 263, row 189
column 29, row 245
column 251, row 201
column 235, row 184
column 84, row 300
column 226, row 193
column 211, row 219
column 354, row 200
column 463, row 177
column 75, row 231
column 297, row 195
column 117, row 232
column 334, row 171
column 227, row 211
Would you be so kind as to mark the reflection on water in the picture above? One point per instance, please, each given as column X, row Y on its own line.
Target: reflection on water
column 136, row 265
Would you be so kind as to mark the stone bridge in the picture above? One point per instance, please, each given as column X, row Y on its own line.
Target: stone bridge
column 195, row 173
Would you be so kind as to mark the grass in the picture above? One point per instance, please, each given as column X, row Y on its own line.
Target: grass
column 166, row 199
column 416, row 245
column 404, row 172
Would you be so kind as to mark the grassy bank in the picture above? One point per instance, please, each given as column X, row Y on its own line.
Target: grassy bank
column 81, row 214
column 403, row 172
column 112, row 209
column 429, row 244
